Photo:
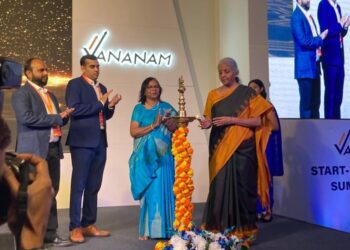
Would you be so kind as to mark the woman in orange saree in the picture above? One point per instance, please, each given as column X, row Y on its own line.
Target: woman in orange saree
column 237, row 164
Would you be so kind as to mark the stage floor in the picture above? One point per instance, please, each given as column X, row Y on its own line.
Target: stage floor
column 280, row 234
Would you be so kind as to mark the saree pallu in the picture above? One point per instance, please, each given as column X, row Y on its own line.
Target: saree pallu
column 152, row 175
column 237, row 163
column 274, row 155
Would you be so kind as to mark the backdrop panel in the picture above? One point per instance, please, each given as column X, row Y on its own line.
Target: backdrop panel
column 115, row 31
column 316, row 182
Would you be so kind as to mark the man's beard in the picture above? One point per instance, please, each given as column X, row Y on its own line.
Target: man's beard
column 40, row 81
column 306, row 6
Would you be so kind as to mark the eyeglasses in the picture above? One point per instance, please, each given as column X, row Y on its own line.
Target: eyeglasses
column 153, row 87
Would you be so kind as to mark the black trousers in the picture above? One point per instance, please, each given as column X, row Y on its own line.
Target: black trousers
column 310, row 98
column 53, row 161
column 333, row 92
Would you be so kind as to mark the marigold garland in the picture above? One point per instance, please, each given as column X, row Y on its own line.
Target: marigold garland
column 187, row 236
column 183, row 185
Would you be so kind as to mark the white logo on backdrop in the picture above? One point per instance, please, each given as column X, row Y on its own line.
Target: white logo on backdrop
column 125, row 56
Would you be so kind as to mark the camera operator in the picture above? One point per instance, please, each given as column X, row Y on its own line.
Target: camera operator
column 5, row 139
column 30, row 231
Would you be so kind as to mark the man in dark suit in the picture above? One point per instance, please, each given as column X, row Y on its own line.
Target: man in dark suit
column 88, row 141
column 330, row 18
column 39, row 122
column 306, row 59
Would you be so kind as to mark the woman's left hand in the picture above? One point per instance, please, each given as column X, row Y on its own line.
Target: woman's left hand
column 169, row 123
column 223, row 120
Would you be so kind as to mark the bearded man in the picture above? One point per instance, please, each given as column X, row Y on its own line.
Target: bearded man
column 39, row 122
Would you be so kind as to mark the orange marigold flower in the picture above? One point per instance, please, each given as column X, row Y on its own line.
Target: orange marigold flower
column 178, row 196
column 190, row 150
column 176, row 223
column 182, row 184
column 160, row 245
column 189, row 181
column 187, row 203
column 183, row 174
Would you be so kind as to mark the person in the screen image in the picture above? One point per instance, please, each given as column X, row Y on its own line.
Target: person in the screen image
column 39, row 122
column 87, row 139
column 151, row 163
column 273, row 152
column 237, row 162
column 307, row 52
column 330, row 18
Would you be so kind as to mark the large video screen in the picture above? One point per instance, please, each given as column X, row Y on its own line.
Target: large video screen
column 283, row 88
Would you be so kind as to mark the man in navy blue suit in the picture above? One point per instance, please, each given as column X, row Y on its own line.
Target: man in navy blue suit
column 330, row 18
column 307, row 43
column 88, row 142
column 39, row 122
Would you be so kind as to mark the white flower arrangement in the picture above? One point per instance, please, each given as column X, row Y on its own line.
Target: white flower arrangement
column 202, row 240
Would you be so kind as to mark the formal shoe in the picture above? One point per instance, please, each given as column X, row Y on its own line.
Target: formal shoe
column 92, row 230
column 58, row 242
column 76, row 235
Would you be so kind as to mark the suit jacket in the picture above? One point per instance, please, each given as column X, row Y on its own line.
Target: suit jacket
column 33, row 122
column 332, row 49
column 305, row 45
column 84, row 128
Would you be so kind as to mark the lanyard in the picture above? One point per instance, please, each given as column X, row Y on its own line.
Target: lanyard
column 99, row 94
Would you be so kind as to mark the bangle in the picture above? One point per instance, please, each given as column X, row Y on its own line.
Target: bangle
column 152, row 126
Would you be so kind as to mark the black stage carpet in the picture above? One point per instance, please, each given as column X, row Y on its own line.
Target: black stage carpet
column 280, row 234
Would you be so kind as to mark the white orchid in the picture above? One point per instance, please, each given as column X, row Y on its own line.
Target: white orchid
column 214, row 246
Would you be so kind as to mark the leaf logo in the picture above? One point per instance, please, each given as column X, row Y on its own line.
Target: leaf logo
column 343, row 147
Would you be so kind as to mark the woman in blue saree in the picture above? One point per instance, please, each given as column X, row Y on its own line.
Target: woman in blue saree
column 151, row 163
